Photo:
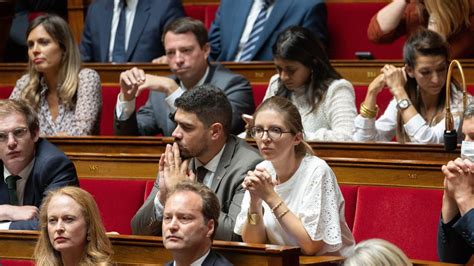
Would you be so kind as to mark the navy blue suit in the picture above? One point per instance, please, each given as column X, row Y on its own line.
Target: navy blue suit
column 226, row 29
column 456, row 239
column 145, row 38
column 52, row 169
column 213, row 259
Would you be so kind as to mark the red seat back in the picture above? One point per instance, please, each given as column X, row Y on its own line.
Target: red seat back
column 5, row 92
column 347, row 26
column 202, row 12
column 109, row 100
column 258, row 91
column 118, row 201
column 407, row 217
column 350, row 197
column 383, row 99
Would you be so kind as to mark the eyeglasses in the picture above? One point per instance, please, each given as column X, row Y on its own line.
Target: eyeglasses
column 18, row 133
column 273, row 133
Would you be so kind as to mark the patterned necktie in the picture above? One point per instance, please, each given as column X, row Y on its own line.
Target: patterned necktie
column 119, row 54
column 201, row 173
column 249, row 48
column 11, row 185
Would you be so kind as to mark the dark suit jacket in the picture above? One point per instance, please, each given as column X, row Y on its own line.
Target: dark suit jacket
column 212, row 259
column 226, row 29
column 145, row 38
column 456, row 239
column 153, row 117
column 238, row 158
column 52, row 169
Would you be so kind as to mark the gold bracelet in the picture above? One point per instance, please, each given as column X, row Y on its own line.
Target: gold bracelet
column 283, row 213
column 276, row 206
column 366, row 112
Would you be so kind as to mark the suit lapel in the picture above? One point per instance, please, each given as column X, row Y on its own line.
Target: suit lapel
column 4, row 197
column 108, row 12
column 224, row 162
column 239, row 18
column 141, row 17
column 277, row 14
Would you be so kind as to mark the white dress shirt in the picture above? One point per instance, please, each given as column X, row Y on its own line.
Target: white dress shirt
column 130, row 11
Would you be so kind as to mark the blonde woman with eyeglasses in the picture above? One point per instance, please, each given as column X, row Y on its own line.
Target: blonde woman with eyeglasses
column 292, row 198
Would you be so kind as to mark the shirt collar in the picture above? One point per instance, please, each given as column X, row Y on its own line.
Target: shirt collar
column 24, row 174
column 213, row 163
column 200, row 82
column 199, row 261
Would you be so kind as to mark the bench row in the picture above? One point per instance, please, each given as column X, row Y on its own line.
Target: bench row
column 407, row 217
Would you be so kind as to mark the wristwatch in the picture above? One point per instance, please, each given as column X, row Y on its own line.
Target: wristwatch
column 252, row 218
column 403, row 104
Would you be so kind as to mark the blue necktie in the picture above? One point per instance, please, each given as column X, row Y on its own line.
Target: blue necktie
column 249, row 48
column 119, row 54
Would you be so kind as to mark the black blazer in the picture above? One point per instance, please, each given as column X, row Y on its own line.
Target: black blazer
column 213, row 259
column 52, row 169
column 456, row 239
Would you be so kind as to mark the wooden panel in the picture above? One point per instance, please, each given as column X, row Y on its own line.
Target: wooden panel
column 130, row 249
column 390, row 164
column 358, row 72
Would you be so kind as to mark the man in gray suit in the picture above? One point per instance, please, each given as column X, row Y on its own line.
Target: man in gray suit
column 204, row 150
column 187, row 50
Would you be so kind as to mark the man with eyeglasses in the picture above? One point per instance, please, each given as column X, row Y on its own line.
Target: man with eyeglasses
column 30, row 165
column 205, row 151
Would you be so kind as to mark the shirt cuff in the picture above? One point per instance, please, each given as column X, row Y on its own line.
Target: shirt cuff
column 414, row 124
column 364, row 123
column 158, row 207
column 172, row 97
column 124, row 109
column 5, row 225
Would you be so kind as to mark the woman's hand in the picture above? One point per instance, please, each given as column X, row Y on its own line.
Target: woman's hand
column 395, row 78
column 376, row 86
column 260, row 185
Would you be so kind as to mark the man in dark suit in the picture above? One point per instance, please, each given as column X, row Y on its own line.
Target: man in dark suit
column 187, row 50
column 143, row 26
column 235, row 19
column 456, row 226
column 190, row 220
column 31, row 166
column 203, row 145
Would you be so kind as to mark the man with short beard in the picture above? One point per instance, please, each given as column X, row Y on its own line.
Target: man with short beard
column 205, row 151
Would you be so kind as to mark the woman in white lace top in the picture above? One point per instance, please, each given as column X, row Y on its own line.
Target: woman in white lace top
column 325, row 101
column 291, row 198
column 68, row 99
column 416, row 112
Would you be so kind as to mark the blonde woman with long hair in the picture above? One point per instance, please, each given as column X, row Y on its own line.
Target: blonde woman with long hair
column 71, row 230
column 452, row 19
column 67, row 98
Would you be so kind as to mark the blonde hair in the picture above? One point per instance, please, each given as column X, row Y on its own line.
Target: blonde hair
column 98, row 249
column 451, row 15
column 291, row 118
column 68, row 75
column 377, row 252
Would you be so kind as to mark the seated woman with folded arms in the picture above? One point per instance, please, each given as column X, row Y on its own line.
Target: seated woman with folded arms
column 71, row 231
column 291, row 198
column 67, row 98
column 416, row 113
column 305, row 76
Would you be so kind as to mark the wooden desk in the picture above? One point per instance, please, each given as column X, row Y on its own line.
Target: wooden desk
column 19, row 245
column 390, row 164
column 358, row 72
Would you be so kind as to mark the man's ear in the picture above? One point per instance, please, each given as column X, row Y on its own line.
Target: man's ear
column 217, row 130
column 207, row 50
column 35, row 135
column 410, row 71
column 211, row 228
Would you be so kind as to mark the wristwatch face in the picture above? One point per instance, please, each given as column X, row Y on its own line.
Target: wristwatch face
column 403, row 104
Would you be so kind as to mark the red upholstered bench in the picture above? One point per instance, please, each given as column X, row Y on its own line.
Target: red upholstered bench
column 5, row 92
column 407, row 217
column 347, row 26
column 109, row 100
column 117, row 199
column 202, row 12
column 258, row 91
column 350, row 197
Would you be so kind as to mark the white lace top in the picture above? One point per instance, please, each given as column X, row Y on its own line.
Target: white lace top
column 334, row 118
column 313, row 195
